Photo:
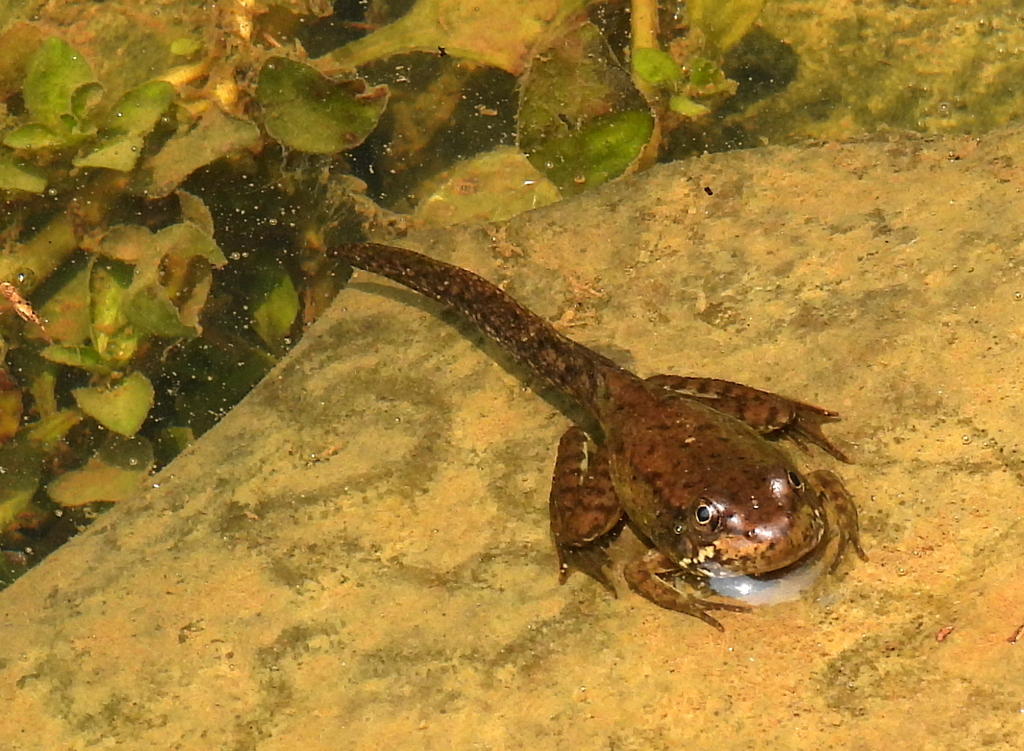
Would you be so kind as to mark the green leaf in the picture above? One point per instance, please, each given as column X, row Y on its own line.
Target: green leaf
column 190, row 303
column 118, row 153
column 595, row 153
column 130, row 243
column 76, row 356
column 306, row 111
column 139, row 110
column 84, row 99
column 490, row 187
column 581, row 121
column 276, row 306
column 35, row 136
column 185, row 46
column 187, row 240
column 657, row 67
column 686, row 106
column 112, row 336
column 42, row 386
column 170, row 442
column 116, row 472
column 12, row 406
column 195, row 211
column 704, row 73
column 16, row 174
column 148, row 305
column 51, row 430
column 502, row 35
column 150, row 311
column 122, row 408
column 55, row 75
column 170, row 275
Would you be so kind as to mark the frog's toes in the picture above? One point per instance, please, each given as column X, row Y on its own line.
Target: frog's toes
column 591, row 560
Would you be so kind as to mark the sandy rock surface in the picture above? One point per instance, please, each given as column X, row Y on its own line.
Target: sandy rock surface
column 357, row 557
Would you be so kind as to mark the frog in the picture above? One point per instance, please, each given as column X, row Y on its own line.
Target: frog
column 690, row 464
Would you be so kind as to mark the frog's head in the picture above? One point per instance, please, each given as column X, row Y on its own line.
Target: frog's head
column 773, row 522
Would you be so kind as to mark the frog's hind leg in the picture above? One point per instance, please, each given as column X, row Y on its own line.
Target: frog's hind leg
column 764, row 411
column 584, row 508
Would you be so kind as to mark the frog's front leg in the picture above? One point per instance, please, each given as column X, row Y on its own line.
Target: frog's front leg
column 838, row 504
column 584, row 507
column 764, row 411
column 645, row 577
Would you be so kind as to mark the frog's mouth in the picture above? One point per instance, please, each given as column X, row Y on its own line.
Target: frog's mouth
column 762, row 550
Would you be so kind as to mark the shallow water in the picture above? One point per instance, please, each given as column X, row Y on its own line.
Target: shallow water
column 360, row 551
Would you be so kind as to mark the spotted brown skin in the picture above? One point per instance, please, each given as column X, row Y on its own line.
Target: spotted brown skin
column 683, row 459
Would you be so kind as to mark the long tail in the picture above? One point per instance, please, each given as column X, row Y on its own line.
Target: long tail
column 532, row 341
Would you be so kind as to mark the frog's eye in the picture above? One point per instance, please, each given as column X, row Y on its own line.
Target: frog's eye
column 795, row 481
column 705, row 515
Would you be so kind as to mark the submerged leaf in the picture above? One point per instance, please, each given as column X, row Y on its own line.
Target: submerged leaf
column 138, row 111
column 128, row 122
column 686, row 106
column 42, row 386
column 151, row 311
column 215, row 135
column 494, row 186
column 185, row 46
column 134, row 244
column 276, row 306
column 116, row 472
column 10, row 406
column 656, row 67
column 595, row 154
column 122, row 408
column 55, row 76
column 130, row 243
column 84, row 99
column 82, row 357
column 186, row 240
column 723, row 22
column 16, row 174
column 502, row 35
column 170, row 276
column 581, row 121
column 704, row 73
column 35, row 136
column 112, row 336
column 119, row 153
column 190, row 306
column 66, row 313
column 50, row 430
column 148, row 306
column 195, row 211
column 306, row 111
